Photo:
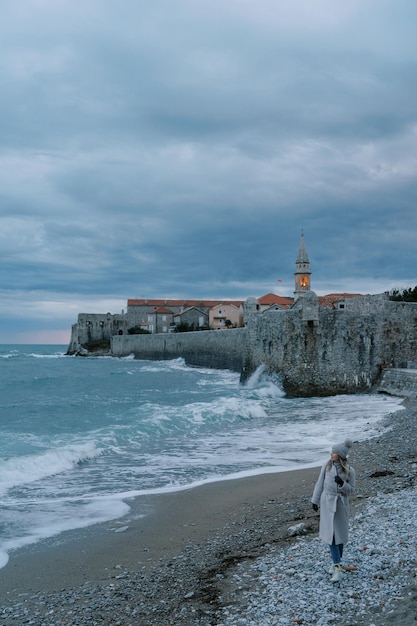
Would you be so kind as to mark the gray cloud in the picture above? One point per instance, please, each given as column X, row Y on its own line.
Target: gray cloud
column 178, row 149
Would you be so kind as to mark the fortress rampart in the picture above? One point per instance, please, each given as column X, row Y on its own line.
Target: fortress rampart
column 315, row 350
column 320, row 351
column 95, row 327
column 400, row 382
column 207, row 348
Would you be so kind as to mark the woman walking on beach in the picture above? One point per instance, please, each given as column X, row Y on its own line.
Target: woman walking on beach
column 333, row 488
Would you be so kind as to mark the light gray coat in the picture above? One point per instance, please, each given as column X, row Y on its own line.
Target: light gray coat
column 334, row 503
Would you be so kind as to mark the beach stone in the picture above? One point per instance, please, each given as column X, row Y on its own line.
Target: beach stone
column 298, row 529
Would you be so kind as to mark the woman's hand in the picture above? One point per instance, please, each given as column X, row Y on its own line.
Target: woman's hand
column 315, row 507
column 339, row 481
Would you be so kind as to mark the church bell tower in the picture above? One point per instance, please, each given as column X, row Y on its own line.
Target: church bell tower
column 302, row 271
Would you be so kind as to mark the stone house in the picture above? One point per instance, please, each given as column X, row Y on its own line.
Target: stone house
column 272, row 300
column 193, row 317
column 337, row 301
column 159, row 320
column 226, row 314
column 147, row 313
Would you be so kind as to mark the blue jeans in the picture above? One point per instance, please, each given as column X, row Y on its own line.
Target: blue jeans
column 336, row 550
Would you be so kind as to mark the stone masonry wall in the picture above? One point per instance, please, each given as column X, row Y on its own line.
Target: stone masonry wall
column 221, row 349
column 334, row 351
column 314, row 349
column 92, row 327
column 399, row 382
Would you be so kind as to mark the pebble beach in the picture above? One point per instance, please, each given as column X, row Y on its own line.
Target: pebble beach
column 238, row 552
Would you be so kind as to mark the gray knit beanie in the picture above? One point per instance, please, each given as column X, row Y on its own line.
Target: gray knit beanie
column 342, row 449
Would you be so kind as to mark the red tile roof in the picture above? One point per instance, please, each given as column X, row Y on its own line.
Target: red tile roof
column 187, row 303
column 272, row 298
column 162, row 309
column 189, row 308
column 331, row 298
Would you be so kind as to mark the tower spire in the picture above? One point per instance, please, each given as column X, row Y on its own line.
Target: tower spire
column 302, row 270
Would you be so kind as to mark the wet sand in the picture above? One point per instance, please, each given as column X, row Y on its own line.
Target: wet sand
column 171, row 522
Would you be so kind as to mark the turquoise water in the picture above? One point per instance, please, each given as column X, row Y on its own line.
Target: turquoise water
column 80, row 437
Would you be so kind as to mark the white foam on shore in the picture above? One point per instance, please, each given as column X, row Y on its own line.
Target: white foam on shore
column 23, row 470
column 95, row 511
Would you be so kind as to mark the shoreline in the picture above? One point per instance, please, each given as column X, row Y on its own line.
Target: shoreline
column 170, row 563
column 171, row 520
column 132, row 498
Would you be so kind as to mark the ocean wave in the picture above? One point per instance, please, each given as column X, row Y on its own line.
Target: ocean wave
column 222, row 410
column 9, row 355
column 67, row 515
column 264, row 383
column 24, row 353
column 24, row 470
column 179, row 364
column 162, row 366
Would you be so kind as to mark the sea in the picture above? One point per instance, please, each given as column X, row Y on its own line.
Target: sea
column 81, row 437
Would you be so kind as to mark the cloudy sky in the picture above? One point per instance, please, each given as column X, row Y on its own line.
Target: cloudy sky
column 177, row 148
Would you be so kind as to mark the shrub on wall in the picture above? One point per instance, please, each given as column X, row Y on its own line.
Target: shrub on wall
column 404, row 295
column 184, row 328
column 137, row 330
column 97, row 345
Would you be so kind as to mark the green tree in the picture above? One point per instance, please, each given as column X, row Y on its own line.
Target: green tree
column 137, row 330
column 404, row 295
column 184, row 328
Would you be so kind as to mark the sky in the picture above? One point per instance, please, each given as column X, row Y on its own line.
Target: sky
column 178, row 148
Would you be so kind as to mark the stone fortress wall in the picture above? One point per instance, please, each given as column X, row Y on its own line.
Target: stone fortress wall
column 320, row 351
column 399, row 382
column 314, row 350
column 206, row 348
column 95, row 327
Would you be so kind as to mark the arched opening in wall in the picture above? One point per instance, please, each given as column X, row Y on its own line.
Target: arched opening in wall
column 270, row 346
column 120, row 332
